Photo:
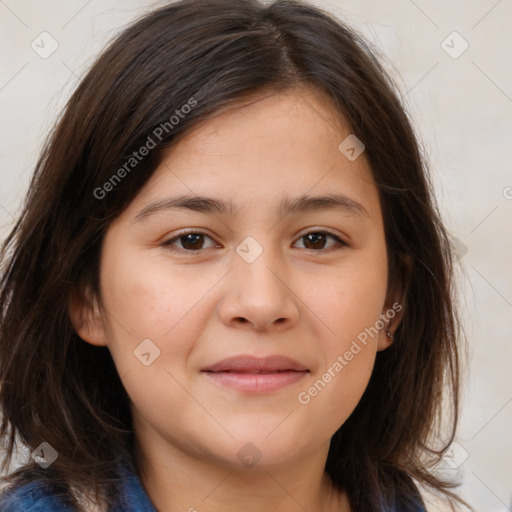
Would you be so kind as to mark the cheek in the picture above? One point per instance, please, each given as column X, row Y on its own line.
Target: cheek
column 349, row 302
column 334, row 391
column 145, row 303
column 153, row 321
column 149, row 297
column 349, row 305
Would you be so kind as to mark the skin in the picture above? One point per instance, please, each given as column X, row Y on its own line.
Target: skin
column 296, row 299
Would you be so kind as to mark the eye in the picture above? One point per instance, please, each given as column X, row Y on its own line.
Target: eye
column 191, row 241
column 317, row 239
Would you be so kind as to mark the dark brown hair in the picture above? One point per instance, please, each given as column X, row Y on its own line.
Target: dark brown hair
column 59, row 389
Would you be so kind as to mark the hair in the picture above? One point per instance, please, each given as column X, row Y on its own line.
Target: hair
column 213, row 55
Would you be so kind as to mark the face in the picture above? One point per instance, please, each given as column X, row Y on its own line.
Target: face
column 246, row 327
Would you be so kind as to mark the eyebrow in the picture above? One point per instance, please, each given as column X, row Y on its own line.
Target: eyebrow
column 303, row 203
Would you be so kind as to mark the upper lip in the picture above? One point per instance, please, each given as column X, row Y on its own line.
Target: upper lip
column 251, row 364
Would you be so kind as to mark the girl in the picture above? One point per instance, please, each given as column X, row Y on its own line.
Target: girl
column 229, row 288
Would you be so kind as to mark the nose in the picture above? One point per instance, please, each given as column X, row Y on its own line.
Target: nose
column 259, row 295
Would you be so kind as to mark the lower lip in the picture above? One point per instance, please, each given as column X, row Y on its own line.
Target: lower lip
column 256, row 382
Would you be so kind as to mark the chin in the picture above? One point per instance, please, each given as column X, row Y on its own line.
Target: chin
column 259, row 450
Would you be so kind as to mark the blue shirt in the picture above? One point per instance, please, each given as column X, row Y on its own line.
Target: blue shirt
column 36, row 497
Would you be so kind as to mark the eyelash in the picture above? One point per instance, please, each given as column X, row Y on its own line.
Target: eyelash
column 340, row 245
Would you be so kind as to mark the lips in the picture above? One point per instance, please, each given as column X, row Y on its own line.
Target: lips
column 255, row 375
column 250, row 364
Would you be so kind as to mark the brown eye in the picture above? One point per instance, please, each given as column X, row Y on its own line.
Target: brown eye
column 190, row 241
column 315, row 240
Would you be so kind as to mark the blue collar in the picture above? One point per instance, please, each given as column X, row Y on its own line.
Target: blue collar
column 36, row 496
column 133, row 496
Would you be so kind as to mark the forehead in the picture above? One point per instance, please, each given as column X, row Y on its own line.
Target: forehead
column 307, row 115
column 272, row 146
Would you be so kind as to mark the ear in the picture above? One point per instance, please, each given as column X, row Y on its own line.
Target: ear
column 394, row 306
column 86, row 318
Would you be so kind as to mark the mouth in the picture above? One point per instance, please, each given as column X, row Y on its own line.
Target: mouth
column 256, row 375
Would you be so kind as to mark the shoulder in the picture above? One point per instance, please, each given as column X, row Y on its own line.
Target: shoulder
column 133, row 495
column 417, row 507
column 33, row 496
column 410, row 502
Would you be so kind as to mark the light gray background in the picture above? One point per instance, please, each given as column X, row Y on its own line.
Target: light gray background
column 462, row 108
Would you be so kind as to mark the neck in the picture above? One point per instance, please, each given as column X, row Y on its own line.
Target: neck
column 177, row 481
